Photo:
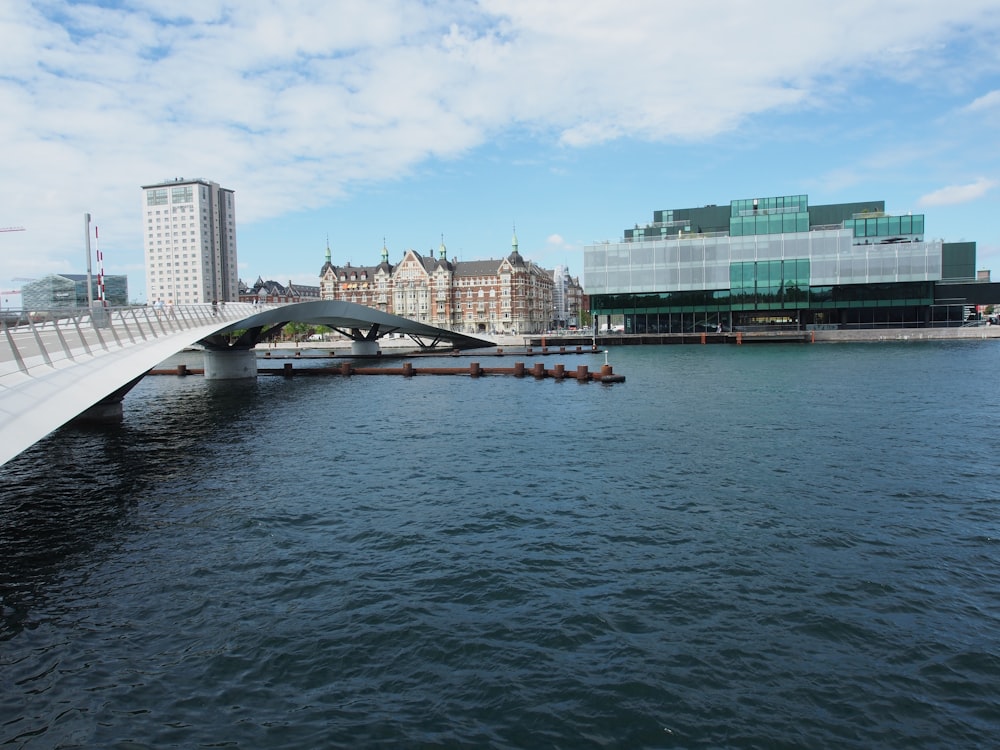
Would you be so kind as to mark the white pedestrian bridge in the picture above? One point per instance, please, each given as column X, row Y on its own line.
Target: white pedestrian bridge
column 58, row 365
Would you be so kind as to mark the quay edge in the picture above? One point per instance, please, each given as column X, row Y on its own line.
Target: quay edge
column 828, row 336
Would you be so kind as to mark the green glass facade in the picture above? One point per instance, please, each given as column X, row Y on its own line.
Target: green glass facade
column 775, row 266
column 769, row 284
column 871, row 227
column 70, row 291
column 781, row 215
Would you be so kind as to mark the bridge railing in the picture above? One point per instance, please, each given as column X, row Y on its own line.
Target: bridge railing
column 46, row 338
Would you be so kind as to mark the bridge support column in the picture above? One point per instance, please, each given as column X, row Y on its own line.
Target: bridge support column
column 103, row 412
column 232, row 364
column 364, row 348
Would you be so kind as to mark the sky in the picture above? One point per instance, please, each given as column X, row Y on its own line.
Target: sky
column 360, row 123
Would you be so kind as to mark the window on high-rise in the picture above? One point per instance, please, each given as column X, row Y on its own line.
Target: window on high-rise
column 156, row 197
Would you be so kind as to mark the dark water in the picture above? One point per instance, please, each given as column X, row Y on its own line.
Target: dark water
column 788, row 546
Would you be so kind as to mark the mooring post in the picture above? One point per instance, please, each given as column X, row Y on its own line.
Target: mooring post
column 560, row 372
column 519, row 369
column 345, row 368
column 407, row 369
column 538, row 370
column 582, row 373
column 474, row 370
column 287, row 370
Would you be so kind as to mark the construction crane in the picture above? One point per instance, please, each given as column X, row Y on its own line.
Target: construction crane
column 12, row 229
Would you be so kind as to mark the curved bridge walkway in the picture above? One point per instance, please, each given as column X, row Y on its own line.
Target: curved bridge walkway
column 78, row 362
column 56, row 369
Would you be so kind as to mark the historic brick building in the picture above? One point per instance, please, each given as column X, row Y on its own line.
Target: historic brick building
column 273, row 291
column 511, row 295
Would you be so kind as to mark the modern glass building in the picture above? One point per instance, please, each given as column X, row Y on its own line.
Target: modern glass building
column 777, row 261
column 69, row 290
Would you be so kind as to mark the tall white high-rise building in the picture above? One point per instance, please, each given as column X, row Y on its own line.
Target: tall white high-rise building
column 190, row 242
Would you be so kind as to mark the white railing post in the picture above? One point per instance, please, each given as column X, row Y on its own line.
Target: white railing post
column 17, row 354
column 79, row 331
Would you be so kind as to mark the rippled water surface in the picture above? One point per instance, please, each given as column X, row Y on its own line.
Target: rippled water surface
column 777, row 546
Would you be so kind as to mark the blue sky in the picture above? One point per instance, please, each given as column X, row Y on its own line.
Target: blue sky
column 360, row 120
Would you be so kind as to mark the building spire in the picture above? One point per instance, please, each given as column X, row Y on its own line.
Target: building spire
column 385, row 252
column 513, row 242
column 442, row 251
column 327, row 248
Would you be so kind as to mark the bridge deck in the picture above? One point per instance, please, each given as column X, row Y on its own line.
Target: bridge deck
column 54, row 366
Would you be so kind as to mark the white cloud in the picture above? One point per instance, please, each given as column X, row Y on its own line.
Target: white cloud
column 985, row 102
column 293, row 103
column 953, row 194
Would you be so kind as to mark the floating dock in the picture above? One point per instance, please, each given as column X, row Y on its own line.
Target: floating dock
column 538, row 371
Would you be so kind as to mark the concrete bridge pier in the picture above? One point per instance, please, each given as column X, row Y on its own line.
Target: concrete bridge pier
column 364, row 348
column 230, row 364
column 107, row 411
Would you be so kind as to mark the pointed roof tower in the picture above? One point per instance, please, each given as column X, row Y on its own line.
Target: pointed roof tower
column 385, row 265
column 328, row 264
column 515, row 257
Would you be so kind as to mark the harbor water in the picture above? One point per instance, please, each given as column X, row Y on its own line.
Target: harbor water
column 767, row 546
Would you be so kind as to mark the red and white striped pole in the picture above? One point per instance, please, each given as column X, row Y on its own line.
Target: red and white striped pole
column 100, row 269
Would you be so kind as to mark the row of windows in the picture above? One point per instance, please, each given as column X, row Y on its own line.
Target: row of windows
column 178, row 194
column 776, row 223
column 779, row 204
column 886, row 226
column 156, row 197
column 792, row 296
